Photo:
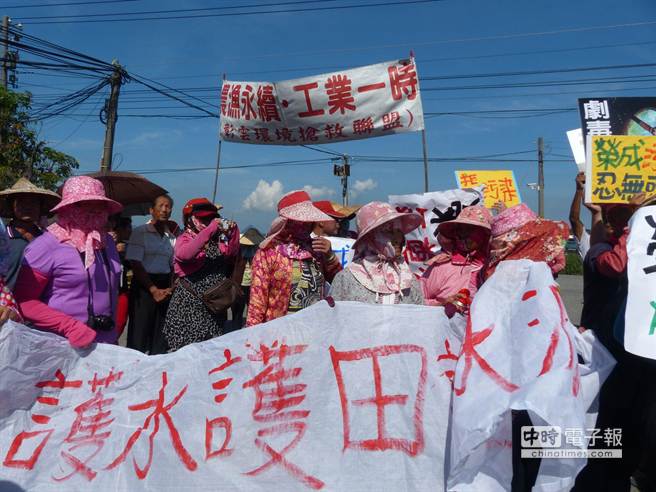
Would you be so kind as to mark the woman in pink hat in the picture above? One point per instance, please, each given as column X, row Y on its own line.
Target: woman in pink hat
column 378, row 273
column 454, row 274
column 68, row 283
column 290, row 268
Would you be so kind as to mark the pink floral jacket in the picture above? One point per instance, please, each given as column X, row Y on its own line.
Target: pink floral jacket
column 271, row 285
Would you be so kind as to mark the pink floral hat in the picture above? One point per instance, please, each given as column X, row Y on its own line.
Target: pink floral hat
column 375, row 214
column 512, row 218
column 477, row 215
column 86, row 189
column 297, row 205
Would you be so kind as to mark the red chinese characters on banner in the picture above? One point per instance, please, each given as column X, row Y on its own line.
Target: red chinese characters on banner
column 309, row 111
column 547, row 362
column 160, row 412
column 220, row 422
column 340, row 95
column 266, row 104
column 35, row 441
column 278, row 393
column 247, row 100
column 89, row 430
column 403, row 81
column 471, row 355
column 411, row 445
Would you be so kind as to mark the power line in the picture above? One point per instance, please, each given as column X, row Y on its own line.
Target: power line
column 233, row 14
column 175, row 11
column 23, row 6
column 455, row 40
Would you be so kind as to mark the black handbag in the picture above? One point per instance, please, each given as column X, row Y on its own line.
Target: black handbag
column 219, row 298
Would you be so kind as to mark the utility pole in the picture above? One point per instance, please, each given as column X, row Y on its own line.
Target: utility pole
column 5, row 51
column 111, row 110
column 343, row 171
column 423, row 142
column 541, row 177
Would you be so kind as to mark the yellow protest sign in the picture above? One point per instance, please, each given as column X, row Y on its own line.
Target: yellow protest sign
column 619, row 167
column 500, row 185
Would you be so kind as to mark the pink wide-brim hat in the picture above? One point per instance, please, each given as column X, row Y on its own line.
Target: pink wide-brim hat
column 375, row 214
column 512, row 218
column 477, row 215
column 297, row 205
column 86, row 189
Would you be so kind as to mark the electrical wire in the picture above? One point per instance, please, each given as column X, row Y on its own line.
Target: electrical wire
column 233, row 14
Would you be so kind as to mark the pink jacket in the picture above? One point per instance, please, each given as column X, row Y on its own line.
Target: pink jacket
column 443, row 280
column 190, row 249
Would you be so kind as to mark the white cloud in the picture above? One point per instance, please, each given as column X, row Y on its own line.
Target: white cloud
column 315, row 192
column 265, row 196
column 359, row 186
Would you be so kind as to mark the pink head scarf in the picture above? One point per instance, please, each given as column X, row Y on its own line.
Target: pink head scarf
column 82, row 229
column 376, row 266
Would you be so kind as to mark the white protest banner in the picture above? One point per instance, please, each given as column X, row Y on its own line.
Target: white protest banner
column 357, row 103
column 343, row 248
column 577, row 145
column 435, row 207
column 640, row 318
column 343, row 398
column 519, row 352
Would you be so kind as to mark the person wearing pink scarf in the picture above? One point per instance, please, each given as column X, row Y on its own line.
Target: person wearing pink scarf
column 455, row 273
column 290, row 269
column 68, row 283
column 378, row 273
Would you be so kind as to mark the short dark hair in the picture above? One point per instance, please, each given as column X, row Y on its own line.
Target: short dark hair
column 166, row 196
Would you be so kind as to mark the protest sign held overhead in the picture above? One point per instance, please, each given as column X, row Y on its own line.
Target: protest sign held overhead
column 500, row 186
column 577, row 144
column 619, row 167
column 435, row 207
column 618, row 116
column 358, row 103
column 640, row 318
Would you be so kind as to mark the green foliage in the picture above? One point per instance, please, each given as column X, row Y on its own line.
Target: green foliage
column 574, row 265
column 21, row 151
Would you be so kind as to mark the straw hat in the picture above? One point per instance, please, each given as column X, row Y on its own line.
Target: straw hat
column 348, row 212
column 375, row 214
column 24, row 187
column 85, row 189
column 251, row 237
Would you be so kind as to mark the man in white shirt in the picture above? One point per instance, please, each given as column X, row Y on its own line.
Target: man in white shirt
column 578, row 228
column 150, row 252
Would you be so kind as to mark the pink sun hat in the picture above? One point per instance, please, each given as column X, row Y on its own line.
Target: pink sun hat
column 295, row 205
column 375, row 214
column 512, row 218
column 86, row 189
column 477, row 215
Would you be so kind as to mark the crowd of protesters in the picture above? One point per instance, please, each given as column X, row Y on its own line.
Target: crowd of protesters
column 72, row 265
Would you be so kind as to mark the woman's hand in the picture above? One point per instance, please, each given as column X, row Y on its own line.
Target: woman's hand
column 322, row 246
column 7, row 314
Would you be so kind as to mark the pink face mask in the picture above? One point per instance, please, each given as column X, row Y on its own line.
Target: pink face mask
column 82, row 228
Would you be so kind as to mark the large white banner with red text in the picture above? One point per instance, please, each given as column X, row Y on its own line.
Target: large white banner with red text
column 343, row 398
column 357, row 397
column 357, row 103
column 435, row 207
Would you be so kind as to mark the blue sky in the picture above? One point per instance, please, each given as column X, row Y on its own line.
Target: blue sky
column 450, row 37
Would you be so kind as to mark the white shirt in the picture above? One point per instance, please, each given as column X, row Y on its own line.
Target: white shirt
column 584, row 244
column 153, row 251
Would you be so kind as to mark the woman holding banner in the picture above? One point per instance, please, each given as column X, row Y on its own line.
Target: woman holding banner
column 379, row 273
column 290, row 268
column 455, row 273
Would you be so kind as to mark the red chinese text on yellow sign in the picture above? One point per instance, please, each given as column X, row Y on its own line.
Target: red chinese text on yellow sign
column 619, row 167
column 500, row 185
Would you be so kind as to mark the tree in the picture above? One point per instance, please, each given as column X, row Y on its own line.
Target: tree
column 21, row 151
